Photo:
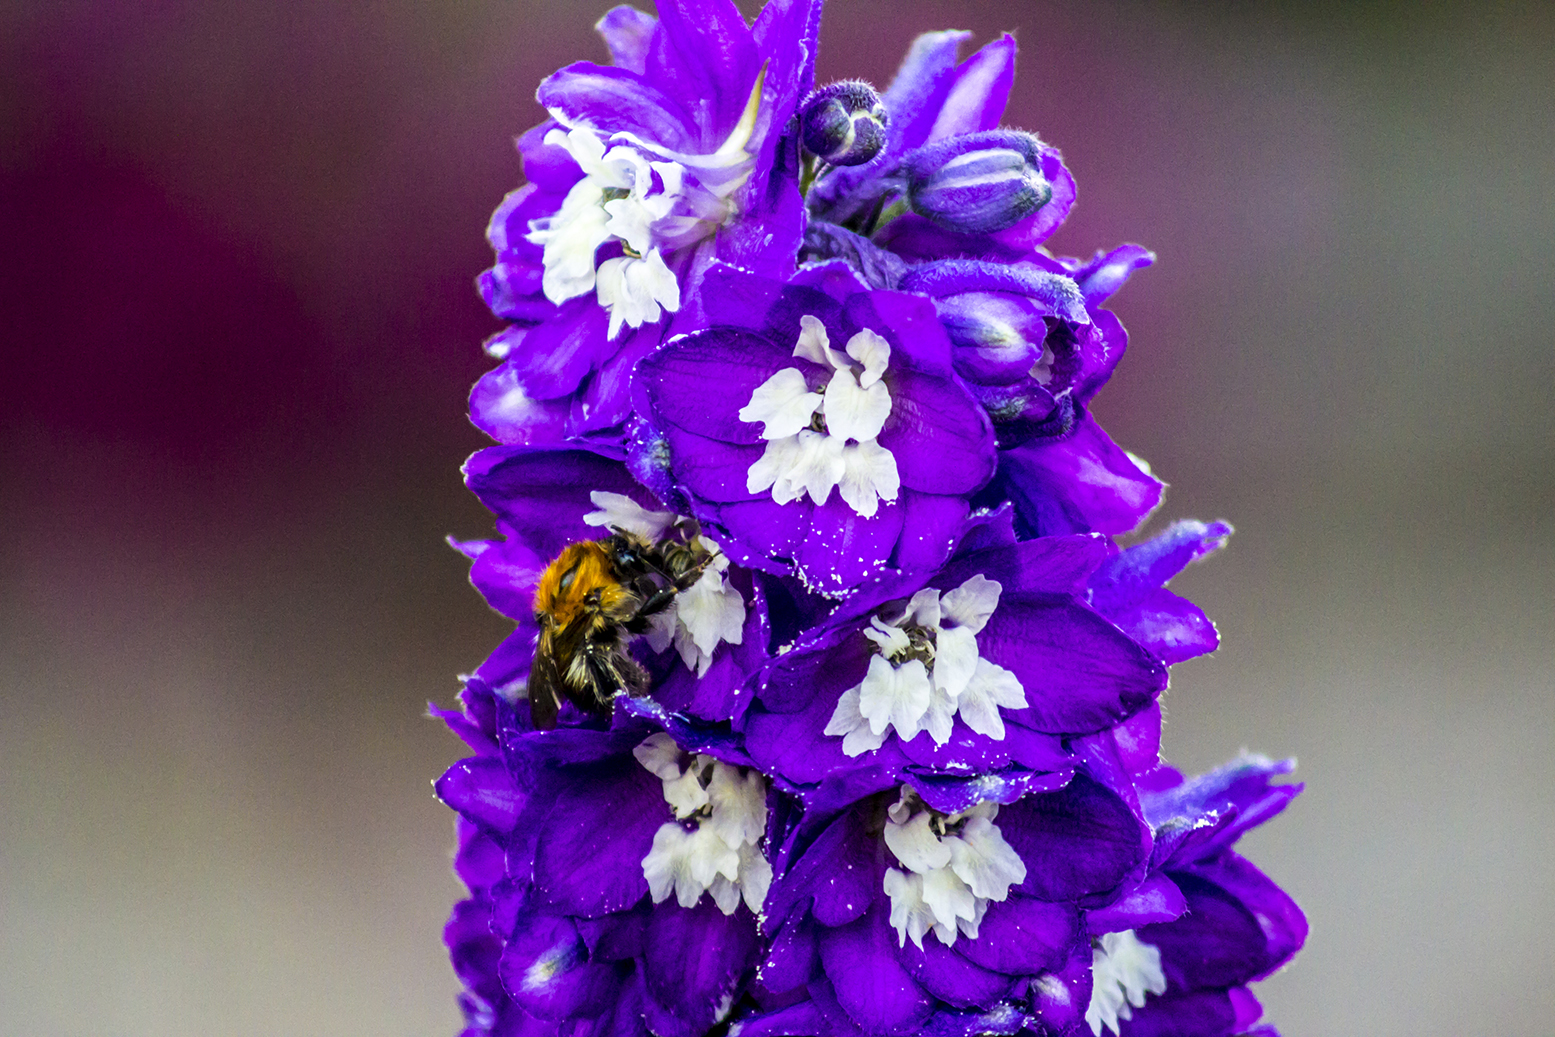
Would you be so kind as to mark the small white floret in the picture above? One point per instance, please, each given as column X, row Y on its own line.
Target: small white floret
column 1123, row 971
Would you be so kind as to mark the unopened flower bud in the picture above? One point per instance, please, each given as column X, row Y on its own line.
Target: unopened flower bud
column 843, row 124
column 978, row 183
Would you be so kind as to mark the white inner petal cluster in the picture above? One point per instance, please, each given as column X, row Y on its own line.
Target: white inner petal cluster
column 713, row 846
column 927, row 672
column 651, row 200
column 820, row 441
column 703, row 615
column 955, row 865
column 1123, row 970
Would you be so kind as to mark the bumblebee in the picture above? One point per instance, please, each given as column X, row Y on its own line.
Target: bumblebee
column 591, row 601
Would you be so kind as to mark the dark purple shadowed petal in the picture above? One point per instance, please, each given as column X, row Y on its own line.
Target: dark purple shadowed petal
column 627, row 32
column 480, row 788
column 1202, row 1013
column 941, row 439
column 792, row 957
column 590, row 846
column 1081, row 839
column 509, row 664
column 950, row 977
column 716, row 471
column 1021, row 936
column 695, row 958
column 842, row 870
column 614, row 100
column 541, row 495
column 1080, row 673
column 930, row 524
column 479, row 860
column 1239, row 926
column 871, row 984
column 545, row 969
column 1060, row 998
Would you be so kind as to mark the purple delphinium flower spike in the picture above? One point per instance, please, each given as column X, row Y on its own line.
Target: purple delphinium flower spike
column 885, row 757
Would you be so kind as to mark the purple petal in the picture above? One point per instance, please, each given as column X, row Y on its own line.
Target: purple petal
column 1201, row 1013
column 1082, row 839
column 480, row 788
column 1080, row 673
column 1157, row 899
column 695, row 958
column 1199, row 818
column 792, row 959
column 541, row 495
column 509, row 664
column 843, row 548
column 979, row 91
column 950, row 977
column 842, row 870
column 917, row 94
column 870, row 982
column 1059, row 1001
column 614, row 100
column 704, row 57
column 716, row 471
column 1022, row 937
column 1082, row 484
column 952, row 794
column 699, row 383
column 942, row 440
column 1108, row 271
column 930, row 524
column 1036, row 228
column 1239, row 926
column 506, row 575
column 627, row 32
column 1172, row 628
column 590, row 846
column 545, row 969
column 550, row 168
column 501, row 408
column 1129, row 576
column 480, row 861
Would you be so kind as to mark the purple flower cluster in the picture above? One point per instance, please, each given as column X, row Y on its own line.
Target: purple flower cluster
column 896, row 768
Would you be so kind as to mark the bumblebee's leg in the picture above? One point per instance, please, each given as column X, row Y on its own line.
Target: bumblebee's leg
column 544, row 702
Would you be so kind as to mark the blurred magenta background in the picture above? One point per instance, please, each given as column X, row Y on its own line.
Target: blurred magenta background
column 239, row 239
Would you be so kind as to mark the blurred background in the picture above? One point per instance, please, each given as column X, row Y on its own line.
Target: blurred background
column 239, row 324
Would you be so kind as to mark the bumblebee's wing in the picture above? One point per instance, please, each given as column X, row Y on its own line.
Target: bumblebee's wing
column 544, row 692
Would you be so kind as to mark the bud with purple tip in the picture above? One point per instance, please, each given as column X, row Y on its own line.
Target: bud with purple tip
column 978, row 183
column 843, row 124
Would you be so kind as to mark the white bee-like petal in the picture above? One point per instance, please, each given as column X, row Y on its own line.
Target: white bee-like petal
column 814, row 344
column 685, row 794
column 772, row 468
column 783, row 403
column 970, row 605
column 873, row 352
column 955, row 659
column 853, row 412
column 922, row 610
column 660, row 756
column 739, row 805
column 1123, row 971
column 820, row 466
column 618, row 511
column 991, row 686
column 896, row 697
column 892, row 640
column 711, row 611
column 984, row 861
column 910, row 916
column 950, row 899
column 636, row 291
column 939, row 718
column 869, row 476
column 726, row 894
column 667, row 864
column 916, row 845
column 755, row 878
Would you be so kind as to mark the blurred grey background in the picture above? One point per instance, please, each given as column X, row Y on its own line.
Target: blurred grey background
column 239, row 239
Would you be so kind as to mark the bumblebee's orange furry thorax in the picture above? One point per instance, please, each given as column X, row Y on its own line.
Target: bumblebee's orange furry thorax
column 581, row 580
